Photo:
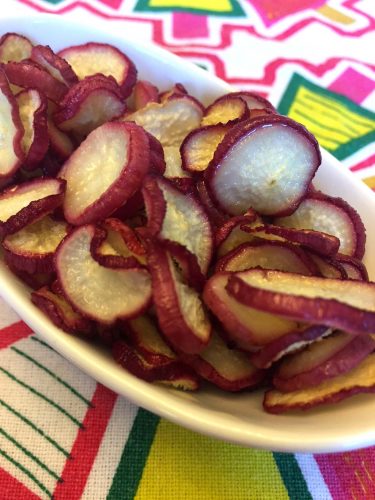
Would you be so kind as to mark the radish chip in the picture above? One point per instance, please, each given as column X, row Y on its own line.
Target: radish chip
column 226, row 368
column 328, row 358
column 289, row 343
column 32, row 248
column 267, row 255
column 198, row 147
column 348, row 305
column 266, row 164
column 26, row 203
column 181, row 313
column 55, row 65
column 11, row 130
column 225, row 110
column 178, row 217
column 32, row 107
column 88, row 104
column 248, row 328
column 359, row 380
column 28, row 74
column 92, row 58
column 14, row 47
column 93, row 192
column 61, row 313
column 334, row 216
column 98, row 292
column 169, row 121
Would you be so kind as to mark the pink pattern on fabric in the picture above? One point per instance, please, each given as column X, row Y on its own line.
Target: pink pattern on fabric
column 350, row 474
column 115, row 4
column 186, row 25
column 368, row 162
column 272, row 11
column 353, row 84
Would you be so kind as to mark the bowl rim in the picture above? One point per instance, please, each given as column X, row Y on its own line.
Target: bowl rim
column 139, row 392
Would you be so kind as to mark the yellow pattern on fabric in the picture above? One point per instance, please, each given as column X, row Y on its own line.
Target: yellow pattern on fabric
column 335, row 15
column 370, row 181
column 332, row 123
column 216, row 6
column 184, row 465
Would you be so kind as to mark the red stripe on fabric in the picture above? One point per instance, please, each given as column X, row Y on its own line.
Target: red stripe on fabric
column 12, row 333
column 349, row 474
column 12, row 489
column 368, row 162
column 85, row 448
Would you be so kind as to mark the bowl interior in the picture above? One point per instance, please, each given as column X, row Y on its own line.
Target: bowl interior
column 234, row 417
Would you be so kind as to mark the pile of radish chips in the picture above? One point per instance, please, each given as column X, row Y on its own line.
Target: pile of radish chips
column 190, row 240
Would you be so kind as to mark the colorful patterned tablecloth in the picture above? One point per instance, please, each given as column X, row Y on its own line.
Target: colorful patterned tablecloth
column 62, row 435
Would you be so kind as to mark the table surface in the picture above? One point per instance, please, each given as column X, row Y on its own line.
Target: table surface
column 62, row 435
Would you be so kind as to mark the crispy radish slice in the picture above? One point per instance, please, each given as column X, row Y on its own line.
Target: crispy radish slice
column 187, row 263
column 198, row 147
column 181, row 313
column 248, row 328
column 254, row 101
column 226, row 110
column 55, row 65
column 124, row 240
column 278, row 255
column 107, row 256
column 145, row 92
column 98, row 292
column 32, row 248
column 26, row 203
column 157, row 162
column 93, row 192
column 354, row 268
column 347, row 305
column 32, row 107
column 178, row 217
column 145, row 337
column 88, row 104
column 177, row 90
column 229, row 369
column 174, row 373
column 230, row 235
column 328, row 358
column 60, row 143
column 359, row 380
column 287, row 344
column 333, row 216
column 321, row 243
column 28, row 74
column 14, row 47
column 61, row 313
column 33, row 281
column 11, row 131
column 170, row 121
column 266, row 163
column 328, row 267
column 173, row 163
column 217, row 217
column 92, row 58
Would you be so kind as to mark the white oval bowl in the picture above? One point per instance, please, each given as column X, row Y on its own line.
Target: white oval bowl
column 238, row 418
